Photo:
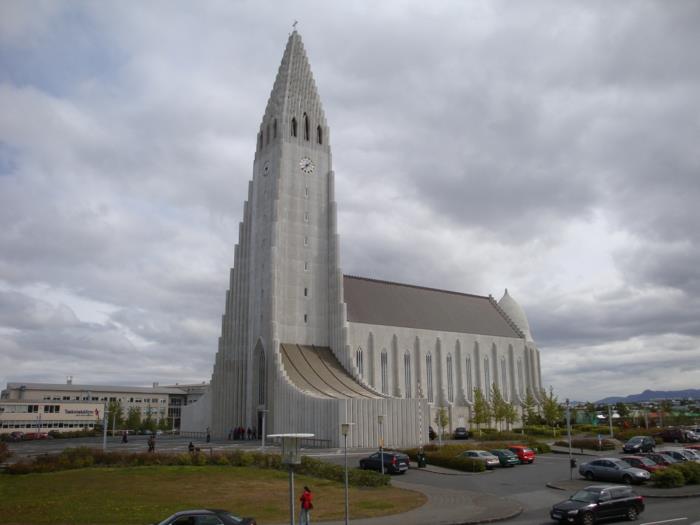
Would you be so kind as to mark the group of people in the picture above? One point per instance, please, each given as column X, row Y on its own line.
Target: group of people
column 241, row 434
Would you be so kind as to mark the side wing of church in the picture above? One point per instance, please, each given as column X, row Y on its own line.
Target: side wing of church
column 311, row 348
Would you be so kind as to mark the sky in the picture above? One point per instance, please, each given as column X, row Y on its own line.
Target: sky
column 547, row 147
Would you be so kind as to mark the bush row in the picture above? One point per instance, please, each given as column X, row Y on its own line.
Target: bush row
column 677, row 475
column 81, row 457
column 588, row 444
column 625, row 435
column 447, row 457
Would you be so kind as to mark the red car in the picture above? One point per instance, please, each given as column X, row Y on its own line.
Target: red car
column 660, row 458
column 525, row 454
column 643, row 463
column 36, row 435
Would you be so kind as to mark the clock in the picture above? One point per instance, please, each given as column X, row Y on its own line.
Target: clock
column 306, row 165
column 266, row 168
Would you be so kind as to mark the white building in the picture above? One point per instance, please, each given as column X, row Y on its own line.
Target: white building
column 312, row 348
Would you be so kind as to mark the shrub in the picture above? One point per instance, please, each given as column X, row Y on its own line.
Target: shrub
column 539, row 447
column 500, row 436
column 627, row 434
column 588, row 443
column 690, row 471
column 668, row 478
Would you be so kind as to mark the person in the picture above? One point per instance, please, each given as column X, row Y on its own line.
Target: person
column 306, row 506
column 151, row 443
column 208, row 435
column 250, row 433
column 190, row 447
column 125, row 436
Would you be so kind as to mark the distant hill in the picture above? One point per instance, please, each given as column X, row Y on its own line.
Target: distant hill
column 650, row 395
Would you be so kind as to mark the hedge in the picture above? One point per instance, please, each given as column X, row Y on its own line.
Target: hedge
column 447, row 457
column 627, row 434
column 82, row 457
column 668, row 478
column 588, row 443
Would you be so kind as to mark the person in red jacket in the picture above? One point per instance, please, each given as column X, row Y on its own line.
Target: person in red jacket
column 306, row 506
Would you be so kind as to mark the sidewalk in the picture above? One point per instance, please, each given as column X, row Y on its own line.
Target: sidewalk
column 646, row 490
column 446, row 507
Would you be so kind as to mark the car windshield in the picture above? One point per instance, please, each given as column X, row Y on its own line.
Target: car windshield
column 647, row 462
column 636, row 440
column 527, row 450
column 585, row 495
column 620, row 463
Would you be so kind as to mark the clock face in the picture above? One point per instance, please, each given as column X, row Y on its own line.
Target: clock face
column 306, row 165
column 266, row 168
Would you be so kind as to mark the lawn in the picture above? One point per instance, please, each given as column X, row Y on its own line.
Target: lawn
column 142, row 495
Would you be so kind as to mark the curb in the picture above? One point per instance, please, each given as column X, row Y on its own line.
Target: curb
column 552, row 485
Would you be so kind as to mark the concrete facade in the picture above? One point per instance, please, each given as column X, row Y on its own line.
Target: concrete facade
column 285, row 310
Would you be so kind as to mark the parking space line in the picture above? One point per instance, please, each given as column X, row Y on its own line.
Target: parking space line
column 664, row 521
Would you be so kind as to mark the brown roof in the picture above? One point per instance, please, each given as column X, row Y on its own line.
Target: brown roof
column 393, row 304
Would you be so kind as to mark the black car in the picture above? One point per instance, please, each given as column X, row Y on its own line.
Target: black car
column 639, row 444
column 461, row 433
column 598, row 502
column 394, row 462
column 206, row 517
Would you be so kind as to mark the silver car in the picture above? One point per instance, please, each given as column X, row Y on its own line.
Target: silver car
column 613, row 469
column 489, row 459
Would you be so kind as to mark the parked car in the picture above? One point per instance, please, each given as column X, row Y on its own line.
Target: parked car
column 16, row 436
column 506, row 457
column 28, row 436
column 643, row 463
column 676, row 435
column 692, row 455
column 639, row 444
column 461, row 433
column 490, row 461
column 613, row 469
column 676, row 454
column 394, row 462
column 598, row 502
column 206, row 517
column 525, row 454
column 660, row 458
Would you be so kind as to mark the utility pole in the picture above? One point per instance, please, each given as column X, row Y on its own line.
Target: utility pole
column 610, row 419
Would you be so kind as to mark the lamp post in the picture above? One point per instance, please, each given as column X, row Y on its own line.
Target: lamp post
column 105, row 422
column 568, row 435
column 345, row 430
column 380, row 420
column 291, row 445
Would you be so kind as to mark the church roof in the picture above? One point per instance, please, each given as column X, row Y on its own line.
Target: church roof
column 511, row 307
column 393, row 304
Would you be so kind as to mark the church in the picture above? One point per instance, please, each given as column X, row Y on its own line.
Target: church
column 305, row 347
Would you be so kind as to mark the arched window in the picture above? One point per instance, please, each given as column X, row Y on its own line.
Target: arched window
column 450, row 383
column 487, row 379
column 274, row 129
column 319, row 134
column 306, row 127
column 261, row 378
column 429, row 376
column 294, row 127
column 504, row 377
column 470, row 387
column 407, row 373
column 360, row 362
column 384, row 372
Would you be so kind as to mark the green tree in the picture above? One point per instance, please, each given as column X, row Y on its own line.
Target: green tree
column 164, row 424
column 529, row 406
column 553, row 412
column 441, row 420
column 665, row 409
column 590, row 412
column 116, row 414
column 510, row 415
column 133, row 419
column 481, row 410
column 498, row 406
column 623, row 410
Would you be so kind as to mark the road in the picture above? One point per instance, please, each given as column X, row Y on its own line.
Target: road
column 524, row 483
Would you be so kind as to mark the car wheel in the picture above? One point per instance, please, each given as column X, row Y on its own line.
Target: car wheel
column 588, row 475
column 632, row 513
column 627, row 480
column 587, row 519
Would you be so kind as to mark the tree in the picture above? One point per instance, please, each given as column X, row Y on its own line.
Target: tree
column 529, row 407
column 133, row 419
column 510, row 414
column 498, row 406
column 553, row 412
column 441, row 420
column 591, row 412
column 481, row 410
column 116, row 414
column 622, row 409
column 665, row 410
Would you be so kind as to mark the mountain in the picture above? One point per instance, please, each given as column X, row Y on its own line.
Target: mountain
column 650, row 395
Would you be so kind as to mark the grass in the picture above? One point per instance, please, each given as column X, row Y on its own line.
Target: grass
column 139, row 495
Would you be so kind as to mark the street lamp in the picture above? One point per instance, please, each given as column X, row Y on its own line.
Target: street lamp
column 345, row 430
column 291, row 445
column 380, row 420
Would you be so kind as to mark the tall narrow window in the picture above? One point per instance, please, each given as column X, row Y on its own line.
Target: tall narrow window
column 274, row 129
column 306, row 318
column 429, row 376
column 306, row 216
column 261, row 378
column 319, row 134
column 450, row 382
column 306, row 127
column 306, row 192
column 306, row 241
column 360, row 362
column 260, row 140
column 407, row 373
column 294, row 127
column 470, row 387
column 504, row 376
column 521, row 385
column 487, row 379
column 306, row 266
column 384, row 373
column 306, row 292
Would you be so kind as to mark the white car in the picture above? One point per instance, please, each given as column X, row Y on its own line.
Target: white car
column 489, row 459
